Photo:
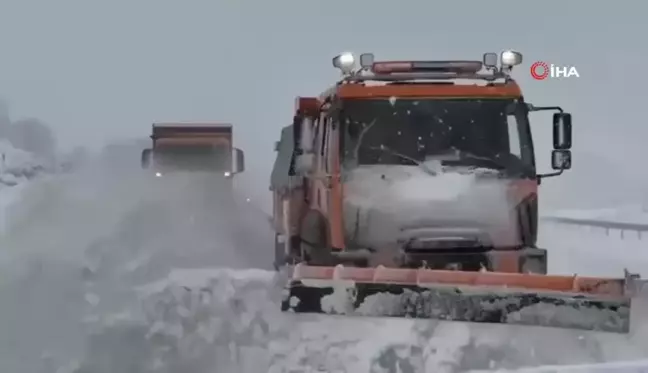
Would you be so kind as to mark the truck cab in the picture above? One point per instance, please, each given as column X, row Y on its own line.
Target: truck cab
column 416, row 163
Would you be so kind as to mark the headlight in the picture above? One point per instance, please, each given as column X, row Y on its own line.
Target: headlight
column 158, row 174
column 227, row 174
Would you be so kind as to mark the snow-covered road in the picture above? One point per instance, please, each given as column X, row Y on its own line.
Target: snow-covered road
column 86, row 286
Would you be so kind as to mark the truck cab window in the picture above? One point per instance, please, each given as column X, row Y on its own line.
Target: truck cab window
column 468, row 132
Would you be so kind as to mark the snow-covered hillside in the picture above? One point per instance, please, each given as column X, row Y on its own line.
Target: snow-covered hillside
column 91, row 267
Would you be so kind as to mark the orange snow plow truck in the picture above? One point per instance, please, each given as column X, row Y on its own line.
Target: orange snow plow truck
column 202, row 147
column 410, row 189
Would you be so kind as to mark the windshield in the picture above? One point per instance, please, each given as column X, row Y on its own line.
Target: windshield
column 192, row 157
column 490, row 133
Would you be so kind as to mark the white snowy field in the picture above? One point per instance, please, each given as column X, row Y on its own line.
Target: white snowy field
column 593, row 251
column 100, row 274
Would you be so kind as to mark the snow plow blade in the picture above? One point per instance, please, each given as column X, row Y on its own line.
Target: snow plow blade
column 586, row 303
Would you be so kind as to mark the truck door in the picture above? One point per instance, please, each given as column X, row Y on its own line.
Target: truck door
column 333, row 182
column 325, row 191
column 320, row 180
column 324, row 156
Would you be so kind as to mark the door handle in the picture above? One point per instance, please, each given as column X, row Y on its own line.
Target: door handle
column 326, row 179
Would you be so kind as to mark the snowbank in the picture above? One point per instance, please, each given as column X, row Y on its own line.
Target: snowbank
column 223, row 320
column 17, row 167
column 201, row 320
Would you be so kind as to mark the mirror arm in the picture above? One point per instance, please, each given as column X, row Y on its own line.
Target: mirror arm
column 531, row 107
column 551, row 174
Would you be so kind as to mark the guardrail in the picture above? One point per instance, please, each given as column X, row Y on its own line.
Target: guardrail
column 637, row 366
column 607, row 225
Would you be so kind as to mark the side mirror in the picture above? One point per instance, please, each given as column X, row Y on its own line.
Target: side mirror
column 238, row 165
column 277, row 145
column 145, row 162
column 561, row 160
column 562, row 131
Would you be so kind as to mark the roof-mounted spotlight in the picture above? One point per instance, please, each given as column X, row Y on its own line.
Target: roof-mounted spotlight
column 490, row 60
column 367, row 60
column 510, row 58
column 345, row 62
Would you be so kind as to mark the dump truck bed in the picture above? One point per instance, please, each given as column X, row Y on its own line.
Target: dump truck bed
column 164, row 130
column 192, row 134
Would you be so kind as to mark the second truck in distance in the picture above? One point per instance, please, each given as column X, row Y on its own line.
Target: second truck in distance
column 201, row 147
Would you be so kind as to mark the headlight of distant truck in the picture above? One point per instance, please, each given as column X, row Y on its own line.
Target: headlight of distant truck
column 158, row 174
column 227, row 174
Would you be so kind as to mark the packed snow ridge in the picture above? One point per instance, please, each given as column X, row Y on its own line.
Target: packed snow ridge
column 198, row 320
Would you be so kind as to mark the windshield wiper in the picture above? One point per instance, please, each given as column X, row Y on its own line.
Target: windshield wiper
column 495, row 162
column 388, row 150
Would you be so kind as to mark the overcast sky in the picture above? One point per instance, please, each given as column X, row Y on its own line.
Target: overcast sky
column 103, row 70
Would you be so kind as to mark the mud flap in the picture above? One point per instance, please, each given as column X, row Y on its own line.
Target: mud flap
column 479, row 304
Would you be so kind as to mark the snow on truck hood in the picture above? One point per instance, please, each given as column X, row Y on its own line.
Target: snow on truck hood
column 409, row 196
column 410, row 182
column 383, row 185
